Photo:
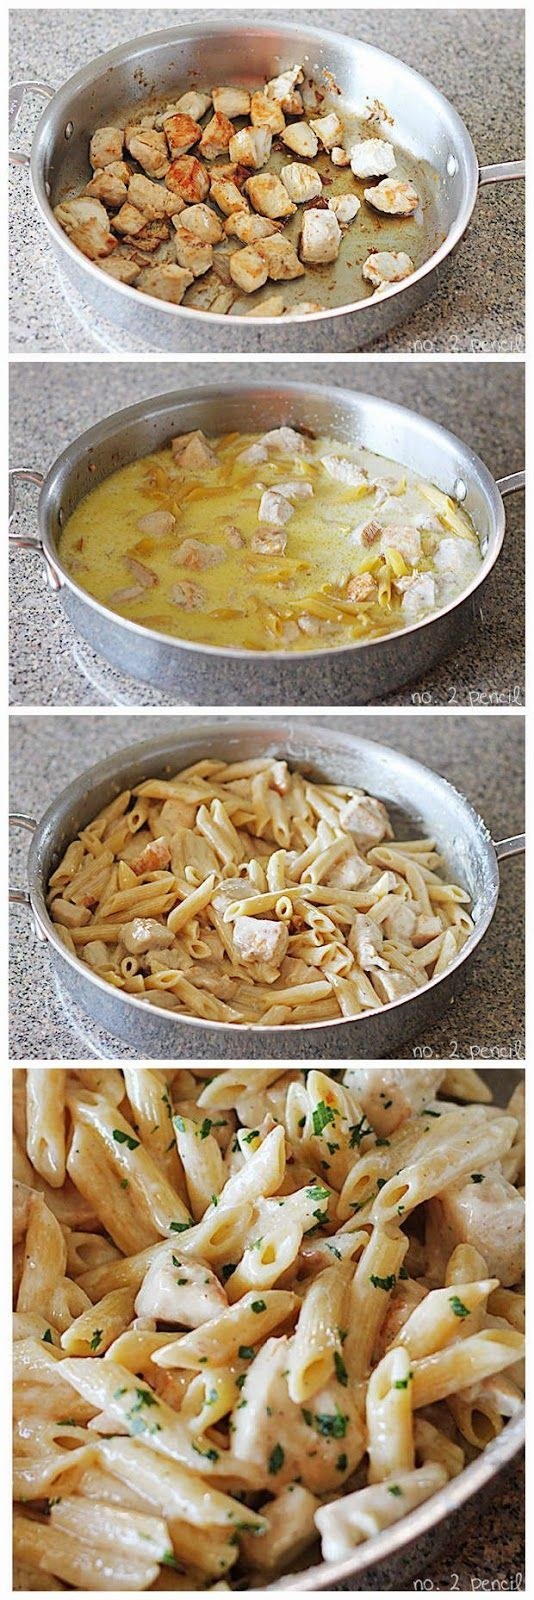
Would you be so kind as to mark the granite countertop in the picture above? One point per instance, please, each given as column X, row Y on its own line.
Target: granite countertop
column 475, row 57
column 52, row 403
column 481, row 755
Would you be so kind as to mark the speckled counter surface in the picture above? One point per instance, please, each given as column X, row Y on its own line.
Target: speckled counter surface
column 481, row 755
column 475, row 57
column 50, row 404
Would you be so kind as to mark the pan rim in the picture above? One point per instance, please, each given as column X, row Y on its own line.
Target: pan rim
column 211, row 319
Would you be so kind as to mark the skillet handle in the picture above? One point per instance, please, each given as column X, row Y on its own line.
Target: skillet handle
column 25, row 541
column 17, row 95
column 20, row 819
column 500, row 172
column 515, row 480
column 510, row 847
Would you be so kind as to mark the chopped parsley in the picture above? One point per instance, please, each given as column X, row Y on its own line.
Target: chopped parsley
column 248, row 1137
column 258, row 1305
column 402, row 1383
column 207, row 1455
column 360, row 1130
column 169, row 1560
column 180, row 1227
column 394, row 1488
column 125, row 1138
column 458, row 1306
column 342, row 1463
column 246, row 1352
column 328, row 1425
column 276, row 1460
column 341, row 1370
column 321, row 1116
column 96, row 1339
column 241, row 1380
column 383, row 1283
column 125, row 1182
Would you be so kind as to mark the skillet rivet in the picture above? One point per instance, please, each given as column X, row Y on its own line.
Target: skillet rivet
column 69, row 130
column 452, row 166
column 460, row 489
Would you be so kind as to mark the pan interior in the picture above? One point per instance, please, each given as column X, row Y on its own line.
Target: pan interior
column 406, row 109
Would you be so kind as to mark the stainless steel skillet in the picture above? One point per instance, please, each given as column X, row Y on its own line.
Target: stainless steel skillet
column 359, row 674
column 424, row 124
column 418, row 799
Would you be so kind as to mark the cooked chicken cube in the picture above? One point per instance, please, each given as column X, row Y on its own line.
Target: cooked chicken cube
column 106, row 146
column 320, row 238
column 191, row 252
column 339, row 156
column 256, row 939
column 178, row 1290
column 268, row 541
column 150, row 149
column 394, row 198
column 188, row 178
column 143, row 934
column 266, row 113
column 157, row 524
column 121, row 267
column 202, row 221
column 187, row 595
column 165, row 282
column 387, row 266
column 227, row 196
column 302, row 183
column 370, row 533
column 372, row 158
column 488, row 1215
column 251, row 147
column 280, row 257
column 181, row 132
column 103, row 186
column 344, row 471
column 193, row 104
column 456, row 559
column 406, row 540
column 282, row 89
column 284, row 441
column 248, row 269
column 192, row 451
column 418, row 595
column 273, row 306
column 390, row 1095
column 274, row 508
column 195, row 554
column 345, row 207
column 249, row 228
column 305, row 308
column 328, row 129
column 120, row 170
column 362, row 587
column 301, row 138
column 86, row 223
column 152, row 199
column 231, row 102
column 367, row 820
column 129, row 220
column 152, row 235
column 269, row 195
column 216, row 137
column 154, row 858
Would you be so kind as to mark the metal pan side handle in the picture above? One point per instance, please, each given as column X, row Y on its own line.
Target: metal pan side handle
column 17, row 96
column 24, row 541
column 509, row 485
column 20, row 819
column 515, row 846
column 502, row 172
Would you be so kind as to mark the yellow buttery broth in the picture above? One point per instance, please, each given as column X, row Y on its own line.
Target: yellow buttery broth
column 294, row 601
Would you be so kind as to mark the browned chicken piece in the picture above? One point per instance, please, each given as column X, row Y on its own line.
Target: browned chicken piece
column 129, row 220
column 123, row 268
column 196, row 555
column 371, row 533
column 121, row 597
column 106, row 146
column 188, row 178
column 202, row 221
column 231, row 102
column 144, row 575
column 188, row 595
column 191, row 252
column 280, row 258
column 283, row 89
column 251, row 147
column 392, row 197
column 120, row 170
column 248, row 269
column 103, row 186
column 273, row 306
column 268, row 195
column 249, row 228
column 156, row 524
column 227, row 196
column 86, row 222
column 362, row 587
column 153, row 234
column 154, row 858
column 235, row 171
column 268, row 541
column 181, row 133
column 69, row 915
column 266, row 113
column 152, row 199
column 165, row 282
column 216, row 137
column 150, row 149
column 233, row 536
column 301, row 138
column 193, row 104
column 192, row 451
column 143, row 934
